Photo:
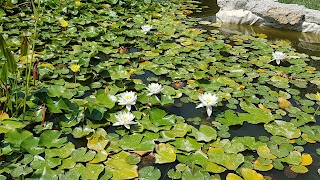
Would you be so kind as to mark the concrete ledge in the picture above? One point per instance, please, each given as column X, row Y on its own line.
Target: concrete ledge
column 269, row 13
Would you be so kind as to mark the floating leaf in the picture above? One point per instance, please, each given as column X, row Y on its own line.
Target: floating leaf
column 230, row 161
column 149, row 172
column 306, row 159
column 120, row 168
column 232, row 176
column 282, row 128
column 249, row 174
column 16, row 137
column 293, row 158
column 264, row 152
column 165, row 153
column 92, row 171
column 205, row 133
column 81, row 155
column 49, row 138
column 258, row 166
column 186, row 144
column 98, row 141
column 299, row 169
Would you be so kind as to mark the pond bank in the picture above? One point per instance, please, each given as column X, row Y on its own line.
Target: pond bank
column 269, row 13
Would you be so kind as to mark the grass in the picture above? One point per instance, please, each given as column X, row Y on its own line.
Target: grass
column 311, row 4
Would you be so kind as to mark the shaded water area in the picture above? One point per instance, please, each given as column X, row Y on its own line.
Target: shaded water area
column 304, row 43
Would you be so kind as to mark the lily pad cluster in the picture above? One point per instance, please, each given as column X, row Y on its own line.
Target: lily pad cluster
column 102, row 64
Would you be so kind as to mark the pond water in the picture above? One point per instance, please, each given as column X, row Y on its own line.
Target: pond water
column 188, row 62
column 303, row 42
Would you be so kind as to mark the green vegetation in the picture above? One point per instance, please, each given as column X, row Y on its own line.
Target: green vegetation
column 311, row 4
column 111, row 89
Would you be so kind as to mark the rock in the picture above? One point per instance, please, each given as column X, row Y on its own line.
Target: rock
column 269, row 13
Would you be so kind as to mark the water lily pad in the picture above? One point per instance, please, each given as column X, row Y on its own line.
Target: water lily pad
column 186, row 144
column 98, row 141
column 49, row 138
column 82, row 155
column 249, row 174
column 232, row 176
column 259, row 166
column 255, row 115
column 230, row 161
column 149, row 172
column 264, row 152
column 293, row 158
column 299, row 169
column 158, row 117
column 31, row 145
column 282, row 128
column 165, row 153
column 306, row 159
column 205, row 133
column 16, row 137
column 120, row 168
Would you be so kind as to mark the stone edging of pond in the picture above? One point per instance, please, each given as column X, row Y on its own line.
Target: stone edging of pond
column 269, row 13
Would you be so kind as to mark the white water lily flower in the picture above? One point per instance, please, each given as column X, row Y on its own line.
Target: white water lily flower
column 154, row 88
column 278, row 56
column 208, row 100
column 125, row 119
column 146, row 28
column 128, row 99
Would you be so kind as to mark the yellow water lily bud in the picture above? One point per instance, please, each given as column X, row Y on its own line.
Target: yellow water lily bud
column 211, row 38
column 283, row 103
column 106, row 90
column 75, row 68
column 241, row 87
column 63, row 23
column 77, row 3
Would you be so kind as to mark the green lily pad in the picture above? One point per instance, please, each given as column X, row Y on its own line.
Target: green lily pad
column 98, row 141
column 282, row 128
column 149, row 172
column 31, row 145
column 293, row 158
column 16, row 137
column 49, row 138
column 186, row 144
column 205, row 133
column 165, row 153
column 158, row 117
column 299, row 169
column 81, row 155
column 230, row 161
column 120, row 168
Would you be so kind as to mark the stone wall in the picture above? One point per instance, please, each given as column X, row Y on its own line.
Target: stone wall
column 269, row 13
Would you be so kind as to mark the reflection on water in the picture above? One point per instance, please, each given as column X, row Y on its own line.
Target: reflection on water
column 303, row 42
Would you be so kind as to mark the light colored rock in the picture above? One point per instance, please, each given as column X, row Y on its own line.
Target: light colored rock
column 269, row 13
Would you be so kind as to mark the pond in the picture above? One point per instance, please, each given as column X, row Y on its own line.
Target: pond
column 303, row 42
column 90, row 90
